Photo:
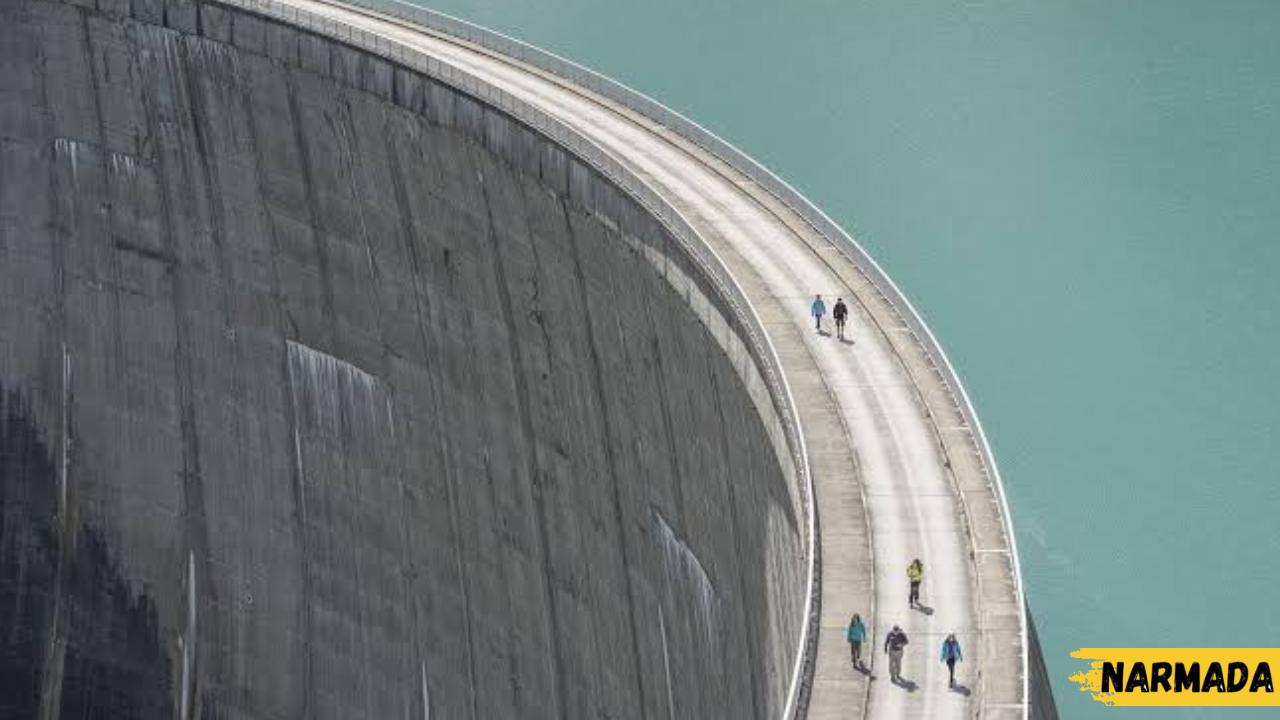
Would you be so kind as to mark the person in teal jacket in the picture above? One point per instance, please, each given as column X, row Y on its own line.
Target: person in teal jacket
column 817, row 310
column 951, row 656
column 857, row 633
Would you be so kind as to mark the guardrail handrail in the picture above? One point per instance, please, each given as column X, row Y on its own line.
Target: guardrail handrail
column 699, row 251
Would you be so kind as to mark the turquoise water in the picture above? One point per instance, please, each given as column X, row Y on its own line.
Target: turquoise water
column 1083, row 199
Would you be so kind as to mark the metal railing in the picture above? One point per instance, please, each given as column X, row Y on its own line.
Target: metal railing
column 700, row 252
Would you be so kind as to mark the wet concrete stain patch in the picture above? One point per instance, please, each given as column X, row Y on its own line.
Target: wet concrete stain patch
column 114, row 665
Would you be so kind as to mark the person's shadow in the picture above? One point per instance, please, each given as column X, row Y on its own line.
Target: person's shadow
column 824, row 333
column 905, row 684
column 924, row 608
column 961, row 690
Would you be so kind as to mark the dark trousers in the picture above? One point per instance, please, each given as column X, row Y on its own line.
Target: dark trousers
column 915, row 592
column 855, row 651
column 951, row 667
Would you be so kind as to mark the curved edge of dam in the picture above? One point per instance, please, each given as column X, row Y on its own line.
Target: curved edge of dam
column 1037, row 689
column 1036, row 693
column 328, row 389
column 315, row 363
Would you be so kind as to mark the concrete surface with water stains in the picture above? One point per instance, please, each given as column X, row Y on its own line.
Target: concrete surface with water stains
column 327, row 392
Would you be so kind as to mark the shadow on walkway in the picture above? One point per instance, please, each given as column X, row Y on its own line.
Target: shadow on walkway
column 905, row 684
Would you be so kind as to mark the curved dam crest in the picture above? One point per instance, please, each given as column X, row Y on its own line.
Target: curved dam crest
column 332, row 392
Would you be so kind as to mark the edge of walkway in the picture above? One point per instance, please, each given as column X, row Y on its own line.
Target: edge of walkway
column 774, row 186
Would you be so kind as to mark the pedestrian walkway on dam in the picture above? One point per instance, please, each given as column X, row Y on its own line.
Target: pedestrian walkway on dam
column 897, row 471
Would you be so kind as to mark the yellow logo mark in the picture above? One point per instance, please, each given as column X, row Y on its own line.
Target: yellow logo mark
column 1149, row 677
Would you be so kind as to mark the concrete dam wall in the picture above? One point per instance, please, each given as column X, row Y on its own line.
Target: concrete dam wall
column 327, row 391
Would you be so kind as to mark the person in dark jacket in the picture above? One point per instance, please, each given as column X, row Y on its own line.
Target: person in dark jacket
column 895, row 644
column 840, row 312
column 951, row 656
column 857, row 633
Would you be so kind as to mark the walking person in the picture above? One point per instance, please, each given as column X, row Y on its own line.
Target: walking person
column 840, row 312
column 817, row 310
column 951, row 656
column 857, row 633
column 915, row 573
column 894, row 645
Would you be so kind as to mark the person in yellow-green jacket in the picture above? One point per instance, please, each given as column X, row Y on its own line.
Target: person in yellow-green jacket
column 915, row 573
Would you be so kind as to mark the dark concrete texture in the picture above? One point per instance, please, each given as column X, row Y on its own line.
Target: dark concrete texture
column 1040, row 685
column 329, row 392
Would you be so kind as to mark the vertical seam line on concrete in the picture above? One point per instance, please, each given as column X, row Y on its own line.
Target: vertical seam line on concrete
column 212, row 180
column 531, row 445
column 406, row 216
column 660, row 375
column 342, row 122
column 610, row 460
column 313, row 208
column 734, row 527
column 194, row 528
column 51, row 677
column 329, row 313
column 454, row 518
column 290, row 409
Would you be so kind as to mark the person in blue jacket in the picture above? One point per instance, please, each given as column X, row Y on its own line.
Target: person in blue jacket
column 857, row 633
column 817, row 310
column 951, row 656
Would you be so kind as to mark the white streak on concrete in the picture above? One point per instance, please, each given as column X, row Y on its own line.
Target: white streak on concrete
column 188, row 640
column 426, row 695
column 66, row 434
column 213, row 56
column 391, row 421
column 355, row 193
column 666, row 663
column 122, row 164
column 69, row 149
column 337, row 402
column 685, row 570
column 297, row 462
